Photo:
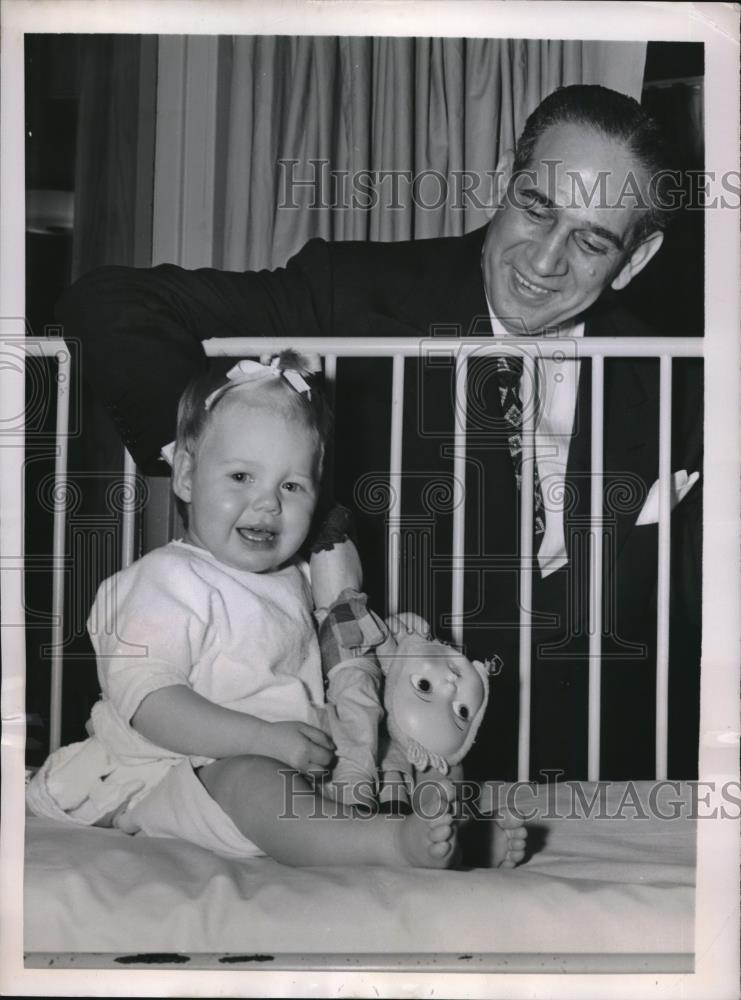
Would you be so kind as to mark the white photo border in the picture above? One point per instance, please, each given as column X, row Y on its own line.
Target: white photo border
column 717, row 901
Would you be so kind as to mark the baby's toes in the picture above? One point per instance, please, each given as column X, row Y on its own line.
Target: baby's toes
column 516, row 846
column 516, row 854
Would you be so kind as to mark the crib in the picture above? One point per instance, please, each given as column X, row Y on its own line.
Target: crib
column 593, row 896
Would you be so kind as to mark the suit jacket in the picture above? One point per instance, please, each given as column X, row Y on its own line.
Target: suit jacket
column 141, row 332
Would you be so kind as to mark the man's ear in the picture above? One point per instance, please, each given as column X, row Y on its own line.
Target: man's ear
column 182, row 474
column 638, row 259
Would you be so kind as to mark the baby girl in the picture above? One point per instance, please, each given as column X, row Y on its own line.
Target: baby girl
column 208, row 661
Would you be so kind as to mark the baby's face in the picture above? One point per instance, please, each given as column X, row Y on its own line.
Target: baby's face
column 436, row 695
column 251, row 486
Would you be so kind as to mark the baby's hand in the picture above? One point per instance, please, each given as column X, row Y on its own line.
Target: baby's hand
column 300, row 745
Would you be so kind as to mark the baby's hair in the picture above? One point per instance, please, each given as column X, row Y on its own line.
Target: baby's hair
column 278, row 395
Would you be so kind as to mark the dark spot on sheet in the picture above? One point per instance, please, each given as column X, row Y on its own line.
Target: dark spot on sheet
column 227, row 959
column 153, row 958
column 464, row 958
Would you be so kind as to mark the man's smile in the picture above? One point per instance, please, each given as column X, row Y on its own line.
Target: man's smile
column 529, row 288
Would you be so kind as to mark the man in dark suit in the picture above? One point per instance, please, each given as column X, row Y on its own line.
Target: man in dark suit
column 577, row 220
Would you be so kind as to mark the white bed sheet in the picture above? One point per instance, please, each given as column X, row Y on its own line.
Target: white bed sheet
column 596, row 886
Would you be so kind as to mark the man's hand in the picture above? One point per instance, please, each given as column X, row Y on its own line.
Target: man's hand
column 304, row 747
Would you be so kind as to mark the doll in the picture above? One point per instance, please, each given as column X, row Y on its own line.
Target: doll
column 434, row 699
column 430, row 697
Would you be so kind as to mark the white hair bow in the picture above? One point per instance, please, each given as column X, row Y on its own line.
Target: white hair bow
column 247, row 373
column 254, row 372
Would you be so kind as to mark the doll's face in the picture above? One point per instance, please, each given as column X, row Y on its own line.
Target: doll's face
column 436, row 695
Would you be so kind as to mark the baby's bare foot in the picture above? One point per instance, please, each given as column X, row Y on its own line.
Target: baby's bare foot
column 427, row 837
column 510, row 839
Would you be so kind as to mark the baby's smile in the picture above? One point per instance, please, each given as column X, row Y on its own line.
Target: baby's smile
column 257, row 536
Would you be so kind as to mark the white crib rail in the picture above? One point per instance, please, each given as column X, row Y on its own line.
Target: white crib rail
column 532, row 348
column 595, row 569
column 62, row 357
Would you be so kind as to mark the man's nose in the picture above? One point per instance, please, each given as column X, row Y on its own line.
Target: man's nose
column 548, row 255
column 267, row 499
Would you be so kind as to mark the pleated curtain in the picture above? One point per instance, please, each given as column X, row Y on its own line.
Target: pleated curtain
column 369, row 138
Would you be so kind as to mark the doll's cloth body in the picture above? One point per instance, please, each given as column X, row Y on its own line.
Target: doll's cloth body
column 348, row 638
column 370, row 764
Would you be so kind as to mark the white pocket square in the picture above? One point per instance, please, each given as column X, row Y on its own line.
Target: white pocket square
column 167, row 453
column 681, row 484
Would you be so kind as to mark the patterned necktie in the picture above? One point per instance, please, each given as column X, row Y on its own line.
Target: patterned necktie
column 509, row 376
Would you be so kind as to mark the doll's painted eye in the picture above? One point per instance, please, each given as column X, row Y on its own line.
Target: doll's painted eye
column 421, row 684
column 462, row 711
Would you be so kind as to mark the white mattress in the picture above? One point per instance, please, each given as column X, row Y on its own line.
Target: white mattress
column 597, row 886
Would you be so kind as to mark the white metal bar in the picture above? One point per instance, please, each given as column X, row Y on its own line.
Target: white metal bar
column 375, row 347
column 58, row 545
column 330, row 370
column 394, row 513
column 662, row 623
column 385, row 347
column 46, row 346
column 459, row 487
column 595, row 570
column 129, row 492
column 330, row 386
column 526, row 572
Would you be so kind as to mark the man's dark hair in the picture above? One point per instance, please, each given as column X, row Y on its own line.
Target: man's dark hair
column 616, row 116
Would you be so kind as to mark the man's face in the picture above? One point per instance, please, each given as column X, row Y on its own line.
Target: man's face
column 565, row 230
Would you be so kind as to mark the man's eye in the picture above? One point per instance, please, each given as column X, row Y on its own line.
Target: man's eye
column 589, row 246
column 421, row 684
column 462, row 711
column 535, row 210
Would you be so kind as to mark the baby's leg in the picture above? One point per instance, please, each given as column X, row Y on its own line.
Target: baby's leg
column 277, row 809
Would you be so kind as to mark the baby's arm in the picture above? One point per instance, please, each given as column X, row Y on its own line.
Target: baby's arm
column 179, row 719
column 161, row 609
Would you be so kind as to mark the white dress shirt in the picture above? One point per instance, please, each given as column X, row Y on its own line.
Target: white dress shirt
column 557, row 383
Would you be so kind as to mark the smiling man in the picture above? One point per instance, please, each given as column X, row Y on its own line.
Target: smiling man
column 568, row 228
column 576, row 222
